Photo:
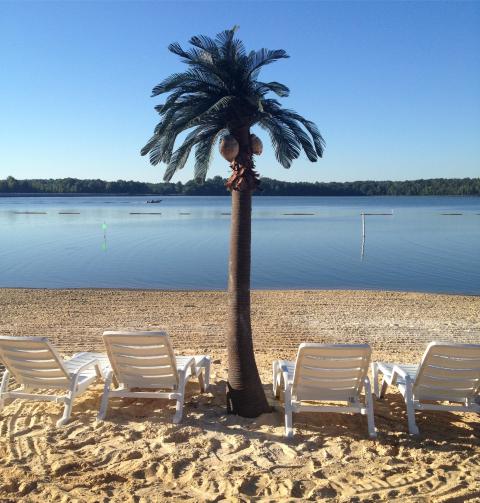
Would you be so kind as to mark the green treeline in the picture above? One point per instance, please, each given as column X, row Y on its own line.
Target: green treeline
column 269, row 187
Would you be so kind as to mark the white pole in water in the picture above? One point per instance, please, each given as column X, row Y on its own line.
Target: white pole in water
column 363, row 235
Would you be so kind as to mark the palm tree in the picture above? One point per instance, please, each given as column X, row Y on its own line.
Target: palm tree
column 220, row 96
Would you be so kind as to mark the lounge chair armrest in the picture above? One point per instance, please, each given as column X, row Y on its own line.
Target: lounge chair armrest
column 189, row 365
column 398, row 371
column 284, row 371
column 91, row 363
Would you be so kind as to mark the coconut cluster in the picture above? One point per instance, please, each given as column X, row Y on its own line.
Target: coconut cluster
column 229, row 147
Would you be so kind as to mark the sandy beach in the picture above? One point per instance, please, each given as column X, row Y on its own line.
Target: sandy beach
column 138, row 455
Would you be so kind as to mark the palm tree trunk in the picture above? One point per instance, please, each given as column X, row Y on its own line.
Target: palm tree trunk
column 245, row 394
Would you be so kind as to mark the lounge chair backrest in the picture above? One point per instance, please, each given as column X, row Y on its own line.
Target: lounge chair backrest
column 34, row 362
column 142, row 359
column 448, row 372
column 330, row 372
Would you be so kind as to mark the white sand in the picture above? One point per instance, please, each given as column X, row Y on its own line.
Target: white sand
column 139, row 455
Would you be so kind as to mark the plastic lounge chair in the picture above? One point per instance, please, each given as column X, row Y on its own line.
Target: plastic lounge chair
column 35, row 365
column 447, row 373
column 145, row 360
column 324, row 372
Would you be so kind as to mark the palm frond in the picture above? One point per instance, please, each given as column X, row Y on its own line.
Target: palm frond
column 264, row 57
column 310, row 126
column 207, row 44
column 273, row 107
column 284, row 141
column 178, row 119
column 203, row 154
column 302, row 138
column 176, row 48
column 296, row 129
column 193, row 80
column 220, row 92
column 180, row 156
column 279, row 89
column 225, row 42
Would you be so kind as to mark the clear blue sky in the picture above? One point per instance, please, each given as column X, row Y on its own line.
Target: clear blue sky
column 393, row 86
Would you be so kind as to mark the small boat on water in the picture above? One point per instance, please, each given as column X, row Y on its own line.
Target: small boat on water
column 154, row 201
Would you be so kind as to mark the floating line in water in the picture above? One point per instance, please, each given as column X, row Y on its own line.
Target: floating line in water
column 225, row 213
column 451, row 214
column 143, row 213
column 297, row 214
column 30, row 212
column 69, row 213
column 378, row 214
column 184, row 213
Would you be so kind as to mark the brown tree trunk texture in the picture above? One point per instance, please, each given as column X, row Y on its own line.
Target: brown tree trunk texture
column 245, row 394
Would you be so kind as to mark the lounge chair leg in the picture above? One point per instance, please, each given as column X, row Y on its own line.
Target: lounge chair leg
column 473, row 405
column 276, row 379
column 207, row 373
column 179, row 406
column 383, row 389
column 412, row 425
column 369, row 406
column 3, row 388
column 106, row 392
column 375, row 378
column 204, row 376
column 288, row 413
column 201, row 381
column 67, row 411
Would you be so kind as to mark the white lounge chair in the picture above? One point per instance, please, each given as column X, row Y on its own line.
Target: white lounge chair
column 324, row 372
column 35, row 364
column 447, row 373
column 146, row 360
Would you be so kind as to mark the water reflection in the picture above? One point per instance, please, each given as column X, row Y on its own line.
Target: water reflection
column 104, row 243
column 297, row 243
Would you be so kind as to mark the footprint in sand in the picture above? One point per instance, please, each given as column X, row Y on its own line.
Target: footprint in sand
column 253, row 486
column 179, row 468
column 173, row 435
column 302, row 488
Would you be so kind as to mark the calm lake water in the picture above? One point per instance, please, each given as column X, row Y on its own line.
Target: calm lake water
column 428, row 243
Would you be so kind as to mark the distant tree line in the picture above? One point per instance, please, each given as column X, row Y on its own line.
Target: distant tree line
column 269, row 187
